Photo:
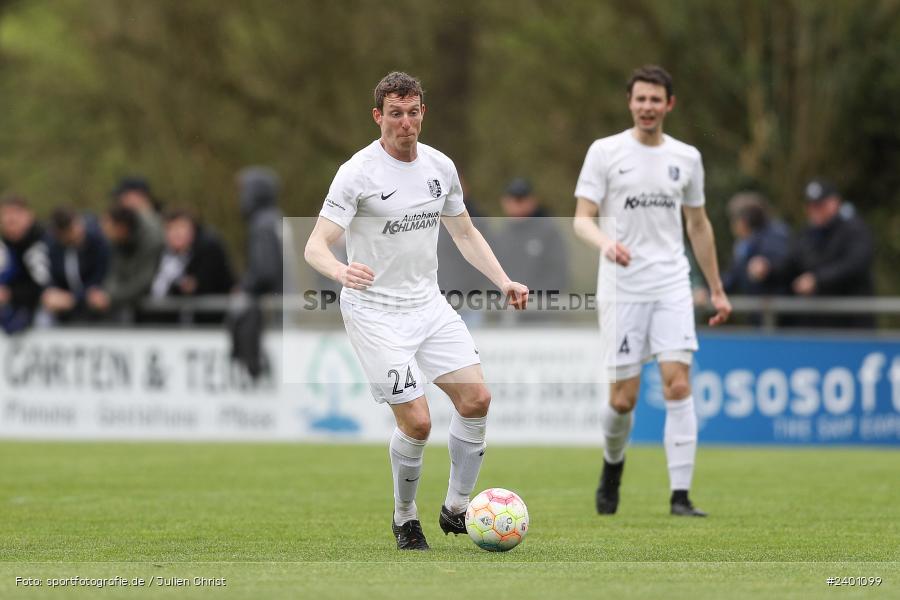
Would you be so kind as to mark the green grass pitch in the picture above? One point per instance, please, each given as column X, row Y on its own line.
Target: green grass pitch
column 311, row 521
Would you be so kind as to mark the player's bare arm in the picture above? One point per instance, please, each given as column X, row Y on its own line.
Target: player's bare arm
column 700, row 233
column 318, row 254
column 585, row 225
column 478, row 253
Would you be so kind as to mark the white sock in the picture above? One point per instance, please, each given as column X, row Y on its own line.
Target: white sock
column 680, row 440
column 466, row 455
column 406, row 464
column 616, row 431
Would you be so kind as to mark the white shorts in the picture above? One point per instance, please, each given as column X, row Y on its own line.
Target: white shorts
column 402, row 351
column 662, row 329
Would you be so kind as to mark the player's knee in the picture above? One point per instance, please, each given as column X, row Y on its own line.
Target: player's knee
column 677, row 389
column 418, row 428
column 621, row 403
column 475, row 402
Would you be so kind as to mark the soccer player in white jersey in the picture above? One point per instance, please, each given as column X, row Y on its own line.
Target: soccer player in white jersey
column 642, row 181
column 390, row 198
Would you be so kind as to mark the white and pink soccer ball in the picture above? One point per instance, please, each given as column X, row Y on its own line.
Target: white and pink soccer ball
column 497, row 520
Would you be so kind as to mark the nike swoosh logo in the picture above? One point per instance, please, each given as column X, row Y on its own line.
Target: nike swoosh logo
column 383, row 197
column 676, row 443
column 623, row 171
column 411, row 480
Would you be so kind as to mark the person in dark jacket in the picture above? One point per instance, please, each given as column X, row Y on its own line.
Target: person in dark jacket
column 455, row 274
column 7, row 268
column 29, row 270
column 79, row 262
column 833, row 256
column 194, row 262
column 258, row 189
column 530, row 245
column 755, row 234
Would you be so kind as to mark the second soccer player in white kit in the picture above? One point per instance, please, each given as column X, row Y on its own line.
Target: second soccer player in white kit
column 642, row 181
column 391, row 198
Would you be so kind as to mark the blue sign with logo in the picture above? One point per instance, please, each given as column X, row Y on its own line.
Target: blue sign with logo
column 782, row 389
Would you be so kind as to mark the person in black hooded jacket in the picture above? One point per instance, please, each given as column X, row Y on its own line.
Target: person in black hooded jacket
column 258, row 188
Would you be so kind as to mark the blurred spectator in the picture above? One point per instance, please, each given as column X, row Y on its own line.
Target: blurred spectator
column 529, row 245
column 455, row 274
column 79, row 262
column 29, row 269
column 6, row 264
column 699, row 291
column 756, row 234
column 135, row 255
column 7, row 272
column 134, row 192
column 258, row 189
column 194, row 262
column 833, row 256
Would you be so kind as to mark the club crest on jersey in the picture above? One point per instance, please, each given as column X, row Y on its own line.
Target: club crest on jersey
column 674, row 172
column 434, row 186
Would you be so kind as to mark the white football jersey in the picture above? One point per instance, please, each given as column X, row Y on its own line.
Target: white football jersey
column 640, row 189
column 391, row 211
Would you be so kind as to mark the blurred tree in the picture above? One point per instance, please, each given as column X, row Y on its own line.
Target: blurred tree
column 185, row 93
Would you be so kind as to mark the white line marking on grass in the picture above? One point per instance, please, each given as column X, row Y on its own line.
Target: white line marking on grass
column 453, row 562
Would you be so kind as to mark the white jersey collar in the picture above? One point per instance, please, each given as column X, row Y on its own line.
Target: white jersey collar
column 629, row 133
column 397, row 163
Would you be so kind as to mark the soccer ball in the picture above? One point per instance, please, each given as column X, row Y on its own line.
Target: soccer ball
column 497, row 520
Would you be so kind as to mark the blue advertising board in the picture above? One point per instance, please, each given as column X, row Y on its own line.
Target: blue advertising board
column 786, row 389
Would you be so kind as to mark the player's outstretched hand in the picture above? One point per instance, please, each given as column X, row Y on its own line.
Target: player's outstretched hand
column 617, row 252
column 517, row 294
column 355, row 276
column 723, row 308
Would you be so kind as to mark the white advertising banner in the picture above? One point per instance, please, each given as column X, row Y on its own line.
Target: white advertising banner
column 181, row 385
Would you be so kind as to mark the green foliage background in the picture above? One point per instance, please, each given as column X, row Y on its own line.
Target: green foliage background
column 772, row 92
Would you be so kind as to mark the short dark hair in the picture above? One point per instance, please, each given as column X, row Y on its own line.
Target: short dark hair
column 139, row 184
column 61, row 219
column 398, row 83
column 652, row 74
column 121, row 215
column 751, row 207
column 175, row 214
